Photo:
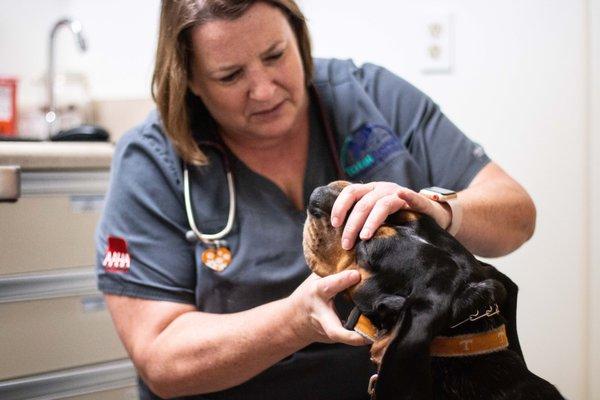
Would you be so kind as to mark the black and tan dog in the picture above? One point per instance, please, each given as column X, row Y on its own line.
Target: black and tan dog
column 443, row 323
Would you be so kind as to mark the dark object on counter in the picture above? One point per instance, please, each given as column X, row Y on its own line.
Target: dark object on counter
column 83, row 133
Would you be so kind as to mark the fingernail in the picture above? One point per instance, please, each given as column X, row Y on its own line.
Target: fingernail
column 346, row 244
column 365, row 234
column 335, row 221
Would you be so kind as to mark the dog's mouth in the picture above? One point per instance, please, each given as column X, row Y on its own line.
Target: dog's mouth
column 321, row 241
column 321, row 244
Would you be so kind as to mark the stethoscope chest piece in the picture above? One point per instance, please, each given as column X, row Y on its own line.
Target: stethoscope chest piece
column 217, row 257
column 217, row 254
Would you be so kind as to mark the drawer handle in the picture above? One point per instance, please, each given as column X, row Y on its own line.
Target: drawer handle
column 10, row 183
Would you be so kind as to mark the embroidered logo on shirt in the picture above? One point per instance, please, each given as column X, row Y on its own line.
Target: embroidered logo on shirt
column 368, row 146
column 116, row 259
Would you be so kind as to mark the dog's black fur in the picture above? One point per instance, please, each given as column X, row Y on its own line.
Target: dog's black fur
column 420, row 281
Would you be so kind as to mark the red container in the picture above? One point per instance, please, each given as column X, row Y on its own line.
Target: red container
column 8, row 106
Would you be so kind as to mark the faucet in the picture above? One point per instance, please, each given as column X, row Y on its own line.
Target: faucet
column 75, row 28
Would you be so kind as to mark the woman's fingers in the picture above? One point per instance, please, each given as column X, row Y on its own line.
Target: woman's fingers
column 334, row 330
column 357, row 217
column 346, row 199
column 370, row 204
column 331, row 285
column 313, row 301
column 416, row 201
column 330, row 324
column 424, row 205
column 385, row 206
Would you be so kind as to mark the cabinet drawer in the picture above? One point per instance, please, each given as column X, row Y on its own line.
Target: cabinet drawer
column 130, row 393
column 105, row 381
column 54, row 321
column 52, row 224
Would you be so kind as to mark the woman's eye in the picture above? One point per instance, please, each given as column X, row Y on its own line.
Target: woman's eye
column 229, row 78
column 275, row 56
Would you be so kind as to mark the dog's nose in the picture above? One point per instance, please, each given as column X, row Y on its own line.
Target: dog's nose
column 321, row 201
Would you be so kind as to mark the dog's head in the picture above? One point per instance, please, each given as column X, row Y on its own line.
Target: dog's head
column 416, row 279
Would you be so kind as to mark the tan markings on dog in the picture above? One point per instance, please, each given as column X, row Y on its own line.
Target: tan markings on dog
column 365, row 327
column 384, row 231
column 338, row 184
column 379, row 347
column 344, row 260
column 364, row 275
column 407, row 216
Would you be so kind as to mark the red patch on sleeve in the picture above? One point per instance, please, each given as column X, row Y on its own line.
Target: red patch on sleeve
column 116, row 259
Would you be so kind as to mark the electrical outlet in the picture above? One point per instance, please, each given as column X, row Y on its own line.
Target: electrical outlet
column 437, row 43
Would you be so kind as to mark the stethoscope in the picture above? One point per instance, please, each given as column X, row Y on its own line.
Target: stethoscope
column 209, row 239
column 217, row 240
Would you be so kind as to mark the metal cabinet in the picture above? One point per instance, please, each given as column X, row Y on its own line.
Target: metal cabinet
column 56, row 337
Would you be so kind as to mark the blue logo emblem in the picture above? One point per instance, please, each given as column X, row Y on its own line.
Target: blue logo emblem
column 369, row 146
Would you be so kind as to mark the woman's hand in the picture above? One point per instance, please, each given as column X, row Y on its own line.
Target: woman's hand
column 373, row 202
column 313, row 304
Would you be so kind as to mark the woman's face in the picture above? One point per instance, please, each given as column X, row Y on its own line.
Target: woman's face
column 249, row 74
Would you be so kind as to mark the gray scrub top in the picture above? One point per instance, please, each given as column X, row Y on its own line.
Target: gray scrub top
column 384, row 129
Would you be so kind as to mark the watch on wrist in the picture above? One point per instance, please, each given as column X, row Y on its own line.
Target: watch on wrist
column 449, row 197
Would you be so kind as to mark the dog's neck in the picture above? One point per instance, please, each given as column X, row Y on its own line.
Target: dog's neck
column 484, row 327
column 484, row 319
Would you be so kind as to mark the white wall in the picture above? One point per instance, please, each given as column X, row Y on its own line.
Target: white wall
column 519, row 86
column 24, row 29
column 594, row 274
column 121, row 37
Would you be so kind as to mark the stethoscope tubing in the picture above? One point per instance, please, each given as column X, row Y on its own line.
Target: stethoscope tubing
column 205, row 237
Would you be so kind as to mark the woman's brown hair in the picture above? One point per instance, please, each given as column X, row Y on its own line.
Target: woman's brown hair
column 172, row 71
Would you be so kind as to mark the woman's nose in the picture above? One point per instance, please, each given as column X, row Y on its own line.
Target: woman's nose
column 262, row 86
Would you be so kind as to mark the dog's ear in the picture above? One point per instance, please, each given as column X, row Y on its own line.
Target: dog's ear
column 405, row 371
column 477, row 295
column 388, row 308
column 508, row 307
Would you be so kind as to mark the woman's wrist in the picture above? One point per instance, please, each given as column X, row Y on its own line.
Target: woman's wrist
column 296, row 323
column 443, row 214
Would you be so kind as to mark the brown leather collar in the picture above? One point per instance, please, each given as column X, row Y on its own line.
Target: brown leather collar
column 450, row 346
column 441, row 346
column 470, row 344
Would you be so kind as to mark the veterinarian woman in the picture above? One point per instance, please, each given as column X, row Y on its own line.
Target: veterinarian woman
column 237, row 91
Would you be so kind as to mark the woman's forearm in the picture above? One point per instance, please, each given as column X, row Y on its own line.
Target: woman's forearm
column 498, row 214
column 195, row 352
column 201, row 353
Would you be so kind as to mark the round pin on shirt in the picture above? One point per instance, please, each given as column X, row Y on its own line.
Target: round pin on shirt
column 216, row 258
